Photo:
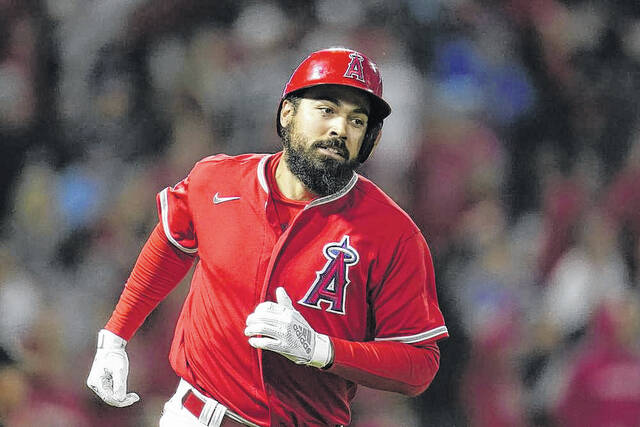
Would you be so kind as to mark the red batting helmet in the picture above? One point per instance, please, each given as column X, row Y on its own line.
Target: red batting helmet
column 346, row 67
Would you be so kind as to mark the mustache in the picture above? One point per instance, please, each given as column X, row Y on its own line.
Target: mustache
column 333, row 143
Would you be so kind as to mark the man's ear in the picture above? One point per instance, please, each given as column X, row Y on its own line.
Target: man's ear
column 286, row 113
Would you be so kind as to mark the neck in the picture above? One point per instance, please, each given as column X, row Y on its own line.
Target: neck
column 289, row 185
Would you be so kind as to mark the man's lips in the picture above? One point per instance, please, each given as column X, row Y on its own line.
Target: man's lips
column 332, row 151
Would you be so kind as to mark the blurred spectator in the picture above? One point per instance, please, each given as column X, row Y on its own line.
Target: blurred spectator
column 564, row 200
column 459, row 164
column 491, row 388
column 254, row 84
column 603, row 382
column 118, row 120
column 490, row 295
column 622, row 202
column 13, row 387
column 27, row 80
column 50, row 391
column 589, row 272
column 20, row 303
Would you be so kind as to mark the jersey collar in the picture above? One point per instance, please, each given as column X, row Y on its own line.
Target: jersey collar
column 262, row 179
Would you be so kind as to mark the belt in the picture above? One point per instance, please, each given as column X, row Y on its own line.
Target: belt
column 217, row 411
column 208, row 410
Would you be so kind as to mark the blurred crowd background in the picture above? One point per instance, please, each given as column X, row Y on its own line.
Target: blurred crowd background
column 514, row 143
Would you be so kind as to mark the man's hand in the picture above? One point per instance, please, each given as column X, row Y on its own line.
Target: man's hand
column 283, row 329
column 108, row 376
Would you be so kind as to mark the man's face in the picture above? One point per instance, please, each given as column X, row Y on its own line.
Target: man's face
column 323, row 134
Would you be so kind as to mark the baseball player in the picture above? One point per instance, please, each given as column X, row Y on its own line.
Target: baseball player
column 309, row 279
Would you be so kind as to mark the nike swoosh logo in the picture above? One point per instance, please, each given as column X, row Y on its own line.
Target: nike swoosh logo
column 217, row 199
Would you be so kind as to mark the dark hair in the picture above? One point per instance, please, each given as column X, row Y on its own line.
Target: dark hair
column 5, row 358
column 295, row 100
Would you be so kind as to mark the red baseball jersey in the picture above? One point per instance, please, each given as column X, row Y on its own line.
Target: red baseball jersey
column 354, row 264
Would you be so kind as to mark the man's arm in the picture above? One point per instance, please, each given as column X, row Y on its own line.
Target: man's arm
column 386, row 365
column 159, row 268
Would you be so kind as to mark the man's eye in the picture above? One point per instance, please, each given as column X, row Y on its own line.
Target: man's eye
column 326, row 110
column 358, row 122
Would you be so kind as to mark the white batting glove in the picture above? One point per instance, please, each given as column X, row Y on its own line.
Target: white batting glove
column 108, row 376
column 283, row 329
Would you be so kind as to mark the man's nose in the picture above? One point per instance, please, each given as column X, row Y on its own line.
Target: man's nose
column 339, row 128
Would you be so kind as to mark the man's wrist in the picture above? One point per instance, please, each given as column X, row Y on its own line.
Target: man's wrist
column 323, row 352
column 109, row 340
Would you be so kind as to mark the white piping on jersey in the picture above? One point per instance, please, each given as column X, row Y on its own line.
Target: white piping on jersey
column 335, row 196
column 261, row 173
column 320, row 201
column 417, row 337
column 164, row 207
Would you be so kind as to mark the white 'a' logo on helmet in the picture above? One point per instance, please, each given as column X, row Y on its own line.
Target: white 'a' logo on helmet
column 355, row 70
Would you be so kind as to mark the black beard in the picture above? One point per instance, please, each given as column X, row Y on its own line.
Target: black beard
column 321, row 174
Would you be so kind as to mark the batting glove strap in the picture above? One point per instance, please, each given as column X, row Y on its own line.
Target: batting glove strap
column 322, row 353
column 109, row 340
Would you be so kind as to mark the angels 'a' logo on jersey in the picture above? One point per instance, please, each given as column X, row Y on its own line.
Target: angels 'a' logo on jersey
column 331, row 282
column 355, row 70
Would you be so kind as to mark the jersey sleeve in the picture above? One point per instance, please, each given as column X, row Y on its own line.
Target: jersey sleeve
column 175, row 217
column 158, row 270
column 387, row 365
column 405, row 304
